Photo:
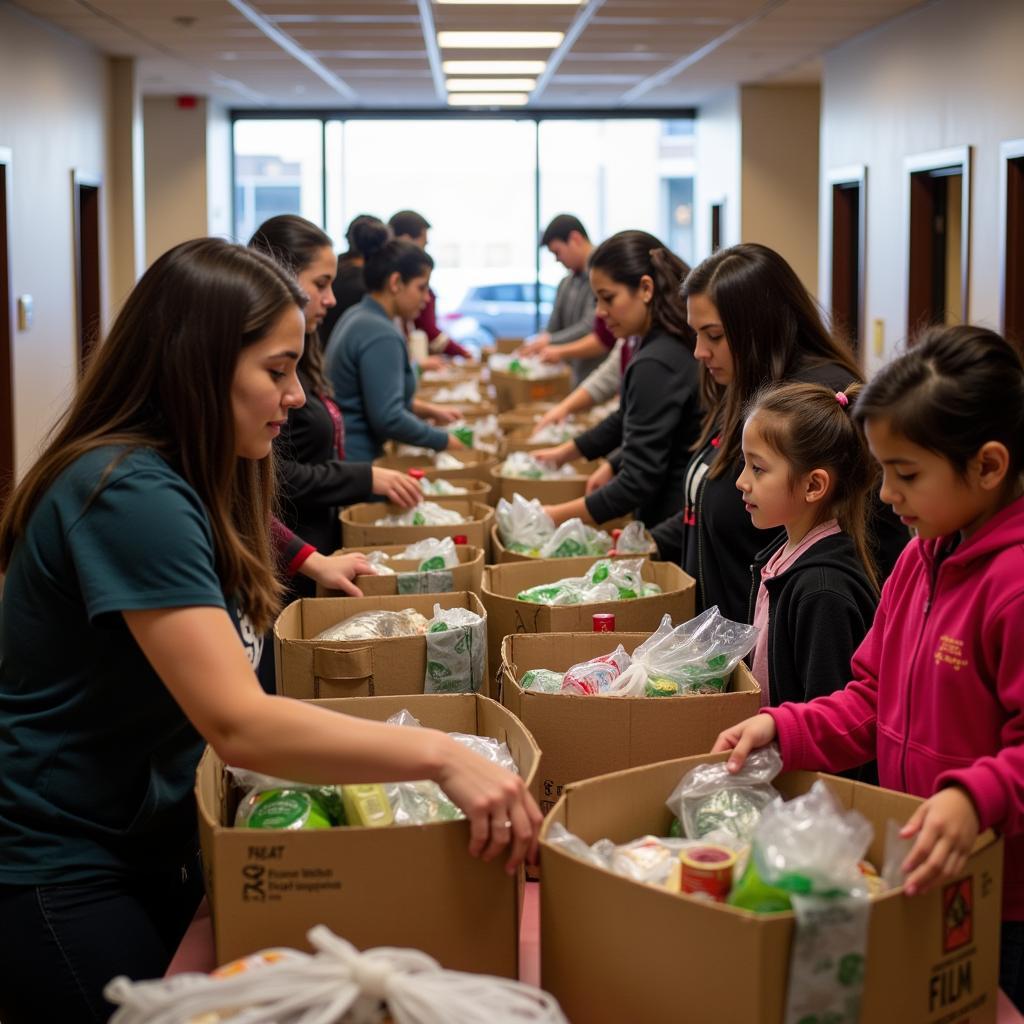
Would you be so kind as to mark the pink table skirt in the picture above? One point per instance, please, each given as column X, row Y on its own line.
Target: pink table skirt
column 196, row 950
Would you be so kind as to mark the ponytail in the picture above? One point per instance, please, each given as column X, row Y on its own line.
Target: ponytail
column 812, row 427
column 628, row 256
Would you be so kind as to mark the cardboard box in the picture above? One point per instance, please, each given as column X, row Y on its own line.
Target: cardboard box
column 581, row 737
column 506, row 346
column 467, row 575
column 309, row 669
column 511, row 390
column 475, row 466
column 506, row 615
column 501, row 554
column 548, row 492
column 523, row 416
column 407, row 886
column 360, row 529
column 614, row 950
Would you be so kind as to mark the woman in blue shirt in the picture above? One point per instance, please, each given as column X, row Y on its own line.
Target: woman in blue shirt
column 368, row 359
column 139, row 584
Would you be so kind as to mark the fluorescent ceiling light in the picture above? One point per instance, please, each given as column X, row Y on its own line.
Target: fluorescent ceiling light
column 490, row 84
column 488, row 99
column 499, row 40
column 494, row 67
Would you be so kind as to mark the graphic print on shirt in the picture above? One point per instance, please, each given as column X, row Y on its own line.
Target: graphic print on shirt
column 251, row 640
column 951, row 652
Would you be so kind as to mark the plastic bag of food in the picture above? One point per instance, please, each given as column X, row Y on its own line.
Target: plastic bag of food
column 527, row 367
column 605, row 581
column 596, row 675
column 442, row 460
column 456, row 651
column 524, row 465
column 379, row 561
column 377, row 625
column 718, row 806
column 574, row 538
column 557, row 433
column 280, row 804
column 633, row 540
column 489, row 749
column 696, row 657
column 542, row 680
column 599, row 854
column 523, row 525
column 426, row 513
column 440, row 488
column 431, row 553
column 466, row 391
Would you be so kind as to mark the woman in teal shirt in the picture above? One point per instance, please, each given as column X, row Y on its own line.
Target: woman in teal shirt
column 367, row 357
column 139, row 584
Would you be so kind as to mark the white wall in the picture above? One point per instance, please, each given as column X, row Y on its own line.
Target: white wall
column 718, row 149
column 218, row 171
column 948, row 74
column 53, row 103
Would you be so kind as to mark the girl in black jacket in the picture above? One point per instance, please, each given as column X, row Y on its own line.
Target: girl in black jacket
column 807, row 469
column 756, row 324
column 313, row 476
column 636, row 281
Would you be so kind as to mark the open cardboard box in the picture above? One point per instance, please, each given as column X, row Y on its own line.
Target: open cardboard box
column 360, row 525
column 614, row 950
column 511, row 389
column 412, row 886
column 475, row 466
column 586, row 736
column 467, row 575
column 507, row 616
column 548, row 492
column 309, row 669
column 501, row 554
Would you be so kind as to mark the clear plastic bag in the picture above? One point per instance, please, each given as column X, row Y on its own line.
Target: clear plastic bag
column 273, row 803
column 717, row 806
column 442, row 460
column 633, row 540
column 527, row 367
column 696, row 657
column 379, row 561
column 426, row 513
column 574, row 538
column 606, row 580
column 431, row 553
column 524, row 465
column 440, row 488
column 466, row 391
column 596, row 675
column 557, row 433
column 542, row 680
column 523, row 525
column 456, row 651
column 489, row 749
column 376, row 625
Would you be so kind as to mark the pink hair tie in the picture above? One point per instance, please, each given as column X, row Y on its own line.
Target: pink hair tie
column 842, row 399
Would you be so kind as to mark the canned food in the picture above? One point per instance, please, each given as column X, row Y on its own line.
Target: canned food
column 417, row 474
column 460, row 538
column 707, row 870
column 604, row 622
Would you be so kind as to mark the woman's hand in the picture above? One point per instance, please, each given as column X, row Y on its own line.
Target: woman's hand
column 535, row 345
column 550, row 354
column 946, row 826
column 554, row 415
column 336, row 572
column 558, row 455
column 601, row 476
column 503, row 817
column 750, row 734
column 576, row 509
column 399, row 488
column 441, row 413
column 455, row 445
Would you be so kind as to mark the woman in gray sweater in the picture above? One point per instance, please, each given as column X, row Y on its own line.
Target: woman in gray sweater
column 367, row 359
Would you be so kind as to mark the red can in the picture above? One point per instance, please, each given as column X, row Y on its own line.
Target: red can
column 604, row 622
column 708, row 870
column 417, row 474
column 460, row 539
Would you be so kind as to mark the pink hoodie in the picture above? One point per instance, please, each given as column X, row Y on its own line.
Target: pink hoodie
column 938, row 686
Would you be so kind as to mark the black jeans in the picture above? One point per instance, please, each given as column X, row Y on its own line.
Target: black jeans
column 1011, row 963
column 60, row 944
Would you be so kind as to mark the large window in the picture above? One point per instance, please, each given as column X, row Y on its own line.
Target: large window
column 487, row 186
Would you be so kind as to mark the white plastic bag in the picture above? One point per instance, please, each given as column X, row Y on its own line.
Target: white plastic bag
column 440, row 488
column 574, row 538
column 523, row 525
column 633, row 540
column 379, row 561
column 431, row 553
column 426, row 513
column 525, row 466
column 606, row 580
column 456, row 651
column 596, row 675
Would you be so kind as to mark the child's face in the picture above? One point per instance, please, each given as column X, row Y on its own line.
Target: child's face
column 769, row 495
column 922, row 487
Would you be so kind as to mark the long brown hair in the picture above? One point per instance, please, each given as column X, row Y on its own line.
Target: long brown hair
column 811, row 427
column 773, row 328
column 295, row 242
column 162, row 380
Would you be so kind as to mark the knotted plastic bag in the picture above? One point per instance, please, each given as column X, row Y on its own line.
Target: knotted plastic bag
column 523, row 525
column 456, row 651
column 574, row 538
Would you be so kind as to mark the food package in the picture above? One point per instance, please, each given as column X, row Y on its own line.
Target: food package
column 367, row 805
column 426, row 513
column 542, row 680
column 379, row 561
column 523, row 525
column 440, row 488
column 466, row 391
column 456, row 651
column 605, row 581
column 526, row 466
column 596, row 675
column 721, row 807
column 575, row 538
column 696, row 657
column 527, row 367
column 280, row 804
column 376, row 625
column 442, row 460
column 633, row 540
column 557, row 433
column 431, row 553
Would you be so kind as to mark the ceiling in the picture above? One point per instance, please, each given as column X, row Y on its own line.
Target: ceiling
column 384, row 53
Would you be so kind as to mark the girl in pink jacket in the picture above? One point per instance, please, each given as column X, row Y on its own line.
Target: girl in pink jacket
column 937, row 690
